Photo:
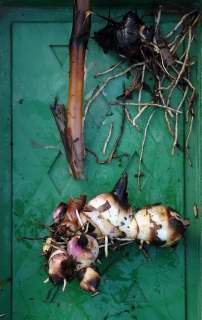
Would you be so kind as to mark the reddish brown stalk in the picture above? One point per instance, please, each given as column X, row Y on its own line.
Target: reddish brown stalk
column 77, row 50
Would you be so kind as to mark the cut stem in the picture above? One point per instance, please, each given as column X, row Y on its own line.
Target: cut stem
column 77, row 50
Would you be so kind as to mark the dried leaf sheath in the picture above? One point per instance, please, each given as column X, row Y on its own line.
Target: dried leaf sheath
column 77, row 49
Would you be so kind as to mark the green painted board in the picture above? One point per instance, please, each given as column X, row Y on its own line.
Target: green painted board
column 100, row 3
column 34, row 178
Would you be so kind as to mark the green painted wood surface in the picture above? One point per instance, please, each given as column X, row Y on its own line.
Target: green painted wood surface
column 34, row 179
column 101, row 3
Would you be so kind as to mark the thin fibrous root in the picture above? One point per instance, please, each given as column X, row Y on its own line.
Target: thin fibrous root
column 181, row 73
column 180, row 23
column 147, row 104
column 142, row 149
column 176, row 44
column 170, row 130
column 176, row 120
column 163, row 68
column 107, row 139
column 138, row 115
column 191, row 99
column 64, row 285
column 187, row 140
column 95, row 294
column 105, row 83
column 158, row 18
column 142, row 82
column 190, row 64
column 115, row 146
column 107, row 161
column 79, row 218
column 106, row 246
column 161, row 97
column 128, row 116
column 47, row 280
column 98, row 74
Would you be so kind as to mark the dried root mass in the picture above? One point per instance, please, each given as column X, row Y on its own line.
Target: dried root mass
column 166, row 58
